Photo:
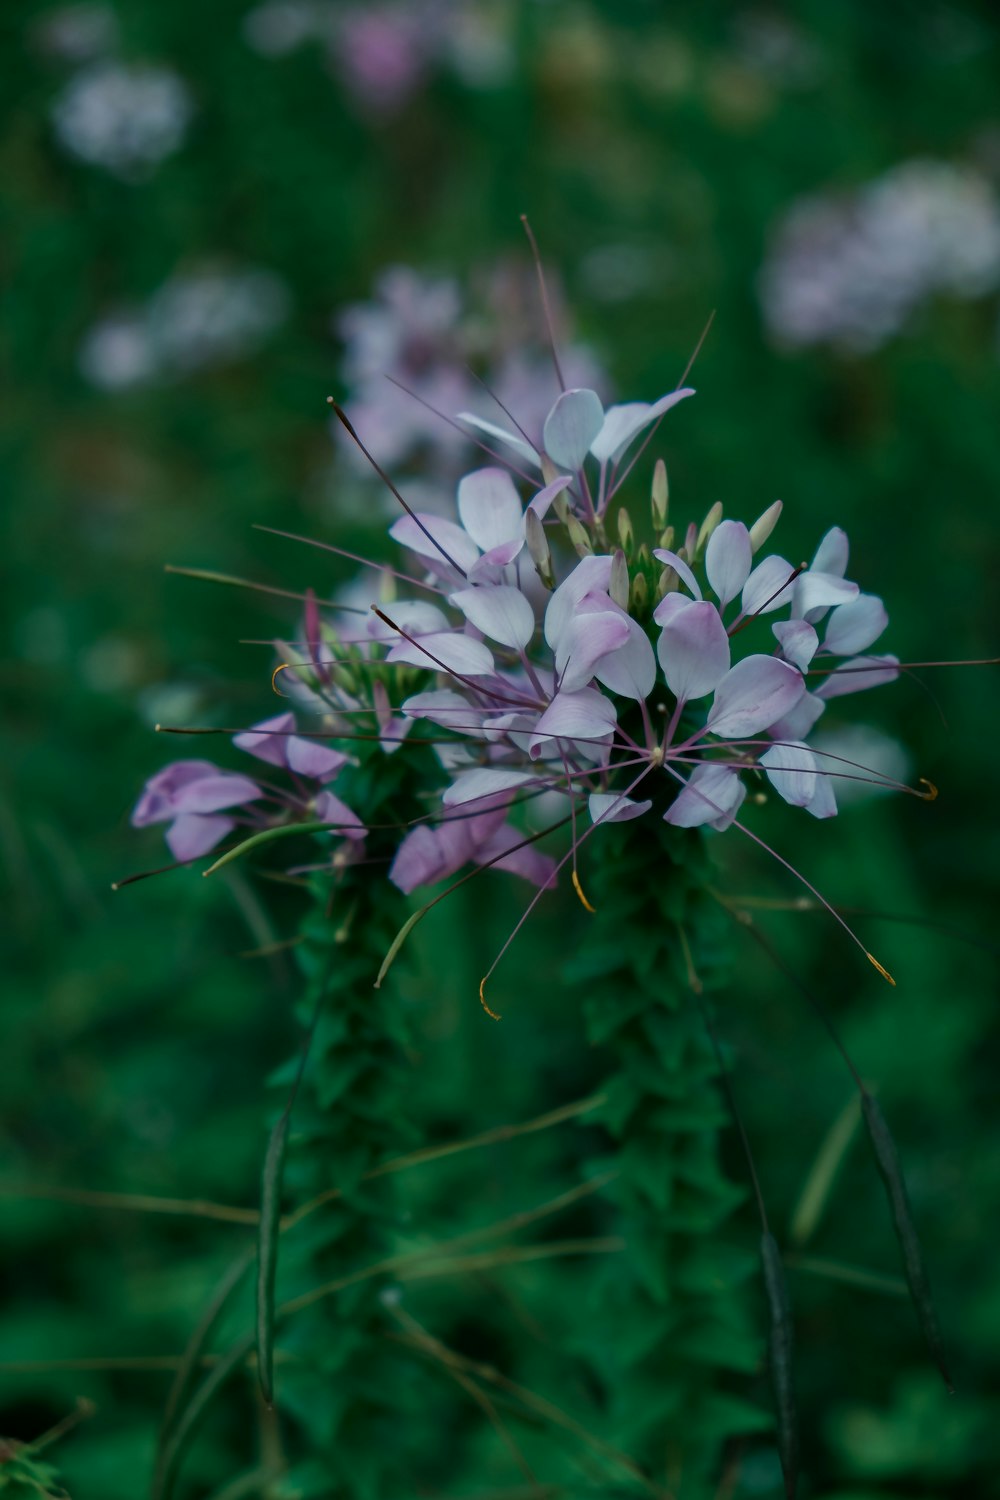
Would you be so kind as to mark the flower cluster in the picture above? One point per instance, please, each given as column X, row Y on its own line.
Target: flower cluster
column 608, row 680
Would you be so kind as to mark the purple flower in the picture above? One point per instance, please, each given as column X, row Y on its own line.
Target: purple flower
column 430, row 853
column 192, row 795
column 275, row 741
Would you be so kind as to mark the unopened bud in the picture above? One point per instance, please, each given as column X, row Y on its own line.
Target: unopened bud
column 625, row 533
column 669, row 582
column 764, row 525
column 660, row 496
column 578, row 537
column 708, row 526
column 618, row 587
column 639, row 594
column 386, row 586
column 538, row 547
column 560, row 506
column 667, row 539
column 691, row 542
column 549, row 471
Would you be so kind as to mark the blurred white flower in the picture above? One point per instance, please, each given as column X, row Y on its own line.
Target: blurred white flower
column 281, row 26
column 845, row 750
column 196, row 319
column 124, row 117
column 849, row 270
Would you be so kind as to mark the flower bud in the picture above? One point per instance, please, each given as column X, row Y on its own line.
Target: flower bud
column 577, row 534
column 560, row 507
column 549, row 471
column 538, row 547
column 764, row 525
column 625, row 532
column 618, row 587
column 667, row 539
column 639, row 594
column 660, row 496
column 708, row 526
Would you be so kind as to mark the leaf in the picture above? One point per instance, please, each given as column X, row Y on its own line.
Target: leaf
column 818, row 1185
column 780, row 1344
column 914, row 1269
column 192, row 1415
column 267, row 836
column 267, row 1252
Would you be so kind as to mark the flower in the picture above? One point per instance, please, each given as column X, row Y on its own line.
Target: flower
column 192, row 796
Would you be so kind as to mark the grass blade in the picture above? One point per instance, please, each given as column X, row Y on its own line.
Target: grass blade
column 914, row 1269
column 780, row 1346
column 192, row 1415
column 819, row 1184
column 267, row 1252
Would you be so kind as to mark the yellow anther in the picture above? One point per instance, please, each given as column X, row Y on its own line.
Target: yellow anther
column 482, row 1000
column 282, row 667
column 883, row 971
column 931, row 793
column 579, row 891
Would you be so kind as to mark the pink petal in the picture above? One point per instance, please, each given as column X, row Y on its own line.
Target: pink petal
column 190, row 835
column 501, row 612
column 450, row 539
column 630, row 669
column 857, row 674
column 853, row 627
column 798, row 641
column 671, row 604
column 211, row 794
column 756, row 692
column 585, row 716
column 832, row 553
column 680, row 567
column 448, row 651
column 694, row 651
column 510, row 438
column 815, row 593
column 622, row 424
column 589, row 637
column 591, row 575
column 824, row 801
column 796, row 724
column 310, row 758
column 728, row 559
column 415, row 616
column 611, row 807
column 490, row 508
column 713, row 795
column 484, row 781
column 528, row 862
column 571, row 426
column 543, row 500
column 791, row 770
column 268, row 740
column 766, row 588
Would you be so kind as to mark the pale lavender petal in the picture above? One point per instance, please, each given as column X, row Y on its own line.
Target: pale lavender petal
column 756, row 692
column 449, row 651
column 450, row 539
column 191, row 835
column 528, row 862
column 680, row 567
column 590, row 635
column 510, row 438
column 824, row 801
column 448, row 709
column 329, row 809
column 571, row 426
column 612, row 807
column 728, row 559
column 798, row 641
column 713, row 795
column 501, row 612
column 694, row 651
column 857, row 674
column 543, row 500
column 157, row 802
column 484, row 781
column 268, row 740
column 670, row 605
column 211, row 794
column 585, row 716
column 853, row 627
column 814, row 593
column 418, row 860
column 310, row 758
column 591, row 575
column 796, row 724
column 415, row 616
column 791, row 770
column 832, row 553
column 631, row 669
column 489, row 568
column 622, row 424
column 490, row 508
column 769, row 586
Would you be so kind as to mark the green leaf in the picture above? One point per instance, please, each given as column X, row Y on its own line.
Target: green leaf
column 267, row 1252
column 780, row 1346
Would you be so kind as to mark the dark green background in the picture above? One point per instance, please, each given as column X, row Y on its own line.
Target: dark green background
column 136, row 1043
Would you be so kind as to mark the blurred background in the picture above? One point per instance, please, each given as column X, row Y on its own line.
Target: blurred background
column 214, row 217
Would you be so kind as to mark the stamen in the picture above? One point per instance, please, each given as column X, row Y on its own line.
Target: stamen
column 931, row 794
column 882, row 970
column 547, row 310
column 366, row 562
column 208, row 576
column 501, row 458
column 482, row 1000
column 345, row 422
column 579, row 891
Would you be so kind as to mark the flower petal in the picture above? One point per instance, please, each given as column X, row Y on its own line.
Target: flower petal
column 191, row 835
column 832, row 553
column 629, row 669
column 713, row 794
column 798, row 641
column 415, row 616
column 490, row 508
column 484, row 781
column 728, row 559
column 824, row 801
column 694, row 651
column 796, row 724
column 770, row 586
column 211, row 794
column 680, row 567
column 510, row 438
column 612, row 807
column 622, row 424
column 543, row 500
column 590, row 576
column 438, row 537
column 791, row 770
column 586, row 717
column 329, row 809
column 670, row 605
column 590, row 635
column 814, row 593
column 527, row 862
column 501, row 612
column 268, row 740
column 756, row 692
column 448, row 651
column 853, row 627
column 857, row 674
column 310, row 758
column 571, row 426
